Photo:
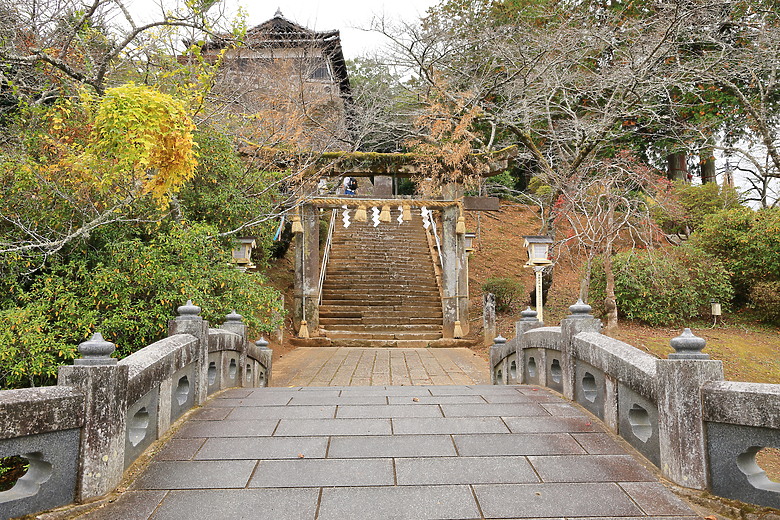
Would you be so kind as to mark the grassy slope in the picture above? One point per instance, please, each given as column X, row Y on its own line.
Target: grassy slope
column 749, row 352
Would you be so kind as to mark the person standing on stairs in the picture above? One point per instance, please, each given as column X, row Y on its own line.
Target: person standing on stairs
column 350, row 185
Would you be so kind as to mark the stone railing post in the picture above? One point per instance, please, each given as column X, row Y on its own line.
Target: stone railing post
column 680, row 414
column 580, row 320
column 104, row 385
column 266, row 358
column 498, row 353
column 189, row 322
column 528, row 320
column 488, row 318
column 234, row 323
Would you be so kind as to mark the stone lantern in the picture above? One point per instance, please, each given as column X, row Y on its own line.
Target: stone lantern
column 538, row 249
column 242, row 253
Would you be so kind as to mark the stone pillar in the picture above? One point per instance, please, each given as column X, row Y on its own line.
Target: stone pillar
column 189, row 321
column 266, row 359
column 307, row 269
column 498, row 353
column 489, row 317
column 526, row 322
column 680, row 416
column 234, row 323
column 383, row 187
column 463, row 284
column 449, row 269
column 580, row 320
column 104, row 385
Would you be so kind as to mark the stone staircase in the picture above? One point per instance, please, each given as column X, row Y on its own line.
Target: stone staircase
column 380, row 288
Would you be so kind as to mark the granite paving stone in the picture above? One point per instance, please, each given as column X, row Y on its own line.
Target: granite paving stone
column 464, row 470
column 493, row 410
column 196, row 474
column 563, row 410
column 269, row 399
column 323, row 473
column 392, row 446
column 435, row 399
column 179, row 449
column 448, row 425
column 598, row 443
column 239, row 448
column 517, row 444
column 554, row 500
column 388, row 411
column 517, row 397
column 282, row 412
column 313, row 427
column 211, row 413
column 589, row 468
column 307, row 399
column 552, row 424
column 387, row 391
column 262, row 427
column 131, row 505
column 654, row 498
column 460, row 452
column 398, row 503
column 239, row 504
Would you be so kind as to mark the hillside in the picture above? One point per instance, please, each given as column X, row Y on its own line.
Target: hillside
column 749, row 351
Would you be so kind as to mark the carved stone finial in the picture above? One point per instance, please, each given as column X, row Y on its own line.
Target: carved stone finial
column 688, row 346
column 529, row 315
column 262, row 343
column 580, row 310
column 188, row 310
column 96, row 351
column 499, row 340
column 234, row 317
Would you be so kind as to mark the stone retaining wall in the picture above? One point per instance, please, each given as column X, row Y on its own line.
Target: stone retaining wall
column 702, row 432
column 81, row 435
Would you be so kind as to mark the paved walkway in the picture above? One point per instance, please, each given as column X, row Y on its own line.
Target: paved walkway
column 422, row 452
column 380, row 366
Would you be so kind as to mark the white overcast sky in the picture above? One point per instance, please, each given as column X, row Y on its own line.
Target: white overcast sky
column 347, row 16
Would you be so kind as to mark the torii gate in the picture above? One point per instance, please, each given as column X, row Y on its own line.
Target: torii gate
column 384, row 168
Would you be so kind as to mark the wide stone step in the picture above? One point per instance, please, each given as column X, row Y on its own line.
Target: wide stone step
column 340, row 323
column 376, row 343
column 382, row 310
column 385, row 328
column 426, row 285
column 353, row 299
column 380, row 291
column 335, row 334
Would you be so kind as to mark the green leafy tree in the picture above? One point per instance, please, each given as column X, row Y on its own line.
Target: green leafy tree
column 748, row 244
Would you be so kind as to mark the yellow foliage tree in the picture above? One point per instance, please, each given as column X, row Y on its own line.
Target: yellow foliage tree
column 143, row 136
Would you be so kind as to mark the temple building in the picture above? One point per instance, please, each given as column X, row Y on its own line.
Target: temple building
column 285, row 85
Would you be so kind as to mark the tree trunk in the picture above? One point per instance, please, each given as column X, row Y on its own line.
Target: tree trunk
column 707, row 166
column 585, row 282
column 610, row 304
column 677, row 167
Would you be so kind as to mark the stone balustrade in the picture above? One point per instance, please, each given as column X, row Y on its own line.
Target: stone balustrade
column 701, row 431
column 81, row 435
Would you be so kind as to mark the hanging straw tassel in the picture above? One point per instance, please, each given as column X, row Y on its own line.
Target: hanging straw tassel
column 407, row 213
column 384, row 216
column 296, row 224
column 460, row 227
column 360, row 214
column 304, row 331
column 458, row 330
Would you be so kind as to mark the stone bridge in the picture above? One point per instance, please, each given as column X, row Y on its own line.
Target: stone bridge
column 203, row 436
